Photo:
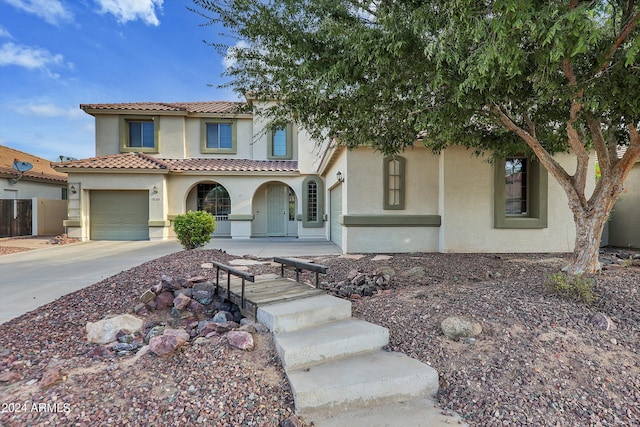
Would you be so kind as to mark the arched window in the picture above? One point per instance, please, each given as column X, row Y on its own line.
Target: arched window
column 394, row 186
column 215, row 199
column 313, row 202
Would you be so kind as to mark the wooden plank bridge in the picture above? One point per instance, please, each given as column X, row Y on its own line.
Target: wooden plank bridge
column 250, row 292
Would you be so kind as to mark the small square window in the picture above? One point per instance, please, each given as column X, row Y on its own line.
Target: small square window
column 220, row 135
column 141, row 134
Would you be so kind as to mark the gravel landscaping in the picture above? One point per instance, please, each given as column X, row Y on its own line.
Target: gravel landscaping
column 539, row 360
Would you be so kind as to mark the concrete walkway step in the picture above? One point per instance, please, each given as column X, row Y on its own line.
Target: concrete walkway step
column 303, row 313
column 343, row 338
column 420, row 412
column 372, row 378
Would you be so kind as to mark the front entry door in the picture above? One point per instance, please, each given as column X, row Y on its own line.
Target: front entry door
column 276, row 210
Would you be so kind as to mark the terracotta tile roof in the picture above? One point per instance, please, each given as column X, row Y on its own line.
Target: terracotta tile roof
column 232, row 165
column 142, row 161
column 214, row 107
column 42, row 170
column 116, row 161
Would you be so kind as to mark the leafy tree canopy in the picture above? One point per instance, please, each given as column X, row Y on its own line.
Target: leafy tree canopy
column 381, row 72
column 499, row 76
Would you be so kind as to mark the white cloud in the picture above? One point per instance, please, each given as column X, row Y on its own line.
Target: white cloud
column 130, row 10
column 30, row 57
column 52, row 11
column 47, row 109
column 5, row 33
column 230, row 58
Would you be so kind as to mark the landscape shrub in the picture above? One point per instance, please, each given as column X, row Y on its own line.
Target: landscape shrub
column 194, row 229
column 575, row 288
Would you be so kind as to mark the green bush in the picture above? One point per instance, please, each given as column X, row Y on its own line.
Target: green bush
column 194, row 229
column 575, row 288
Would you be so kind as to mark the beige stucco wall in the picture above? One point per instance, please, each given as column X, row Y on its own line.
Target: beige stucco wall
column 50, row 214
column 365, row 183
column 24, row 189
column 624, row 227
column 171, row 136
column 107, row 131
column 467, row 209
column 363, row 194
column 459, row 187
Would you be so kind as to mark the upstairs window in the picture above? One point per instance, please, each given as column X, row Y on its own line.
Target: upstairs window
column 139, row 133
column 394, row 185
column 218, row 136
column 279, row 142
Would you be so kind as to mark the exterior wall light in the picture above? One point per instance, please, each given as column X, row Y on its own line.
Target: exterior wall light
column 339, row 177
column 73, row 189
column 154, row 190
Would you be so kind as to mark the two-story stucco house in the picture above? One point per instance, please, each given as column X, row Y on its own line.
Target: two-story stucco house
column 156, row 160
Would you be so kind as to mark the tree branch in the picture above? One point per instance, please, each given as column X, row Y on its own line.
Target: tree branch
column 530, row 125
column 604, row 160
column 631, row 155
column 622, row 37
column 582, row 166
column 550, row 164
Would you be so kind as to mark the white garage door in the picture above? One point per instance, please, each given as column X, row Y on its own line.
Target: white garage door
column 119, row 215
column 336, row 210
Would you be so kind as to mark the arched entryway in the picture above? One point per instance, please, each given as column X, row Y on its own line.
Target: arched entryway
column 274, row 209
column 214, row 198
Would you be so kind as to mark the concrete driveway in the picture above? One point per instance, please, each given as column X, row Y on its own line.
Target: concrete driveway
column 34, row 278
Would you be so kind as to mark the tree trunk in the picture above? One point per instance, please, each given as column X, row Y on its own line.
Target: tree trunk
column 586, row 252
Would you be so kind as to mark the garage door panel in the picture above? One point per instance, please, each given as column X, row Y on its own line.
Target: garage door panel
column 119, row 215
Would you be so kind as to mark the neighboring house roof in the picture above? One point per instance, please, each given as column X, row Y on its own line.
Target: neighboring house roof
column 41, row 171
column 141, row 161
column 213, row 107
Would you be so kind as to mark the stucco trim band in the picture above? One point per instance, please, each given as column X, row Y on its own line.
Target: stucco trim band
column 240, row 217
column 391, row 220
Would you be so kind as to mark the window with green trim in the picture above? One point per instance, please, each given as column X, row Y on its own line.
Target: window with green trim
column 312, row 202
column 279, row 142
column 520, row 199
column 218, row 136
column 139, row 134
column 394, row 182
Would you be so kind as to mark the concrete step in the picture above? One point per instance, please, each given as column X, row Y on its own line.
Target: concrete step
column 310, row 346
column 373, row 378
column 420, row 412
column 303, row 313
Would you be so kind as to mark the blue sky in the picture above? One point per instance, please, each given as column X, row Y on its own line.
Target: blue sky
column 57, row 54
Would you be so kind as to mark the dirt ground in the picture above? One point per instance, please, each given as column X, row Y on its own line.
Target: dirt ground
column 539, row 361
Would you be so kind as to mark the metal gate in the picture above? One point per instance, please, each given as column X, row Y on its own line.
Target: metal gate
column 15, row 217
